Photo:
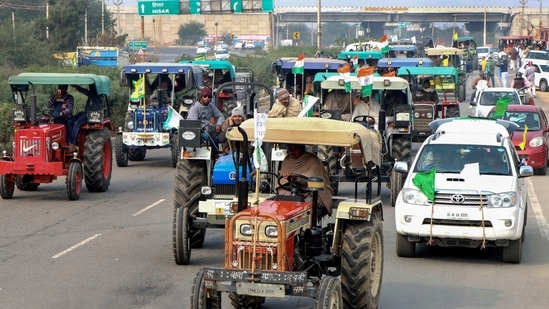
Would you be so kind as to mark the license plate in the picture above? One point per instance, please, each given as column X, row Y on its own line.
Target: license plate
column 454, row 214
column 260, row 289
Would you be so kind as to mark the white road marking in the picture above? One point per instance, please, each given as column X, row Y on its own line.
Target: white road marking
column 536, row 207
column 148, row 207
column 76, row 246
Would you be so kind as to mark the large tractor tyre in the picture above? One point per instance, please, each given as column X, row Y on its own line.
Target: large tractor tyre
column 121, row 152
column 74, row 180
column 227, row 107
column 452, row 111
column 24, row 183
column 362, row 263
column 513, row 252
column 175, row 150
column 328, row 154
column 7, row 186
column 246, row 301
column 402, row 148
column 328, row 295
column 98, row 160
column 397, row 181
column 199, row 295
column 404, row 247
column 189, row 178
column 137, row 153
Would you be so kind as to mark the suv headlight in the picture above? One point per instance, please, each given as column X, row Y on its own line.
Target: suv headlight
column 413, row 196
column 505, row 199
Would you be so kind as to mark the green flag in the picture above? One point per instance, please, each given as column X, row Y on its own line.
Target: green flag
column 501, row 107
column 425, row 182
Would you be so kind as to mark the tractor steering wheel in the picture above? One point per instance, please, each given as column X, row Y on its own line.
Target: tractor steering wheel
column 293, row 184
column 365, row 119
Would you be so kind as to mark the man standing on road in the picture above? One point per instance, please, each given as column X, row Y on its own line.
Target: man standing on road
column 490, row 68
column 530, row 75
column 504, row 68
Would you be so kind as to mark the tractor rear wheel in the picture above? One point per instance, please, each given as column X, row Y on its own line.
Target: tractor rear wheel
column 98, row 160
column 190, row 176
column 176, row 150
column 24, row 183
column 121, row 152
column 362, row 263
column 199, row 295
column 7, row 186
column 137, row 153
column 74, row 180
column 328, row 295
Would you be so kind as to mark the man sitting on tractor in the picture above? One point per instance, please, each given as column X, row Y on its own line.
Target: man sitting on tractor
column 235, row 120
column 61, row 105
column 300, row 162
column 204, row 110
column 285, row 105
column 427, row 92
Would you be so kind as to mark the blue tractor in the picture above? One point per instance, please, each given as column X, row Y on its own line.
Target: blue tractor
column 157, row 90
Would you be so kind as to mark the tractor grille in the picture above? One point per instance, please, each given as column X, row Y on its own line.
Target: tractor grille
column 146, row 121
column 421, row 120
column 265, row 258
column 29, row 147
column 225, row 189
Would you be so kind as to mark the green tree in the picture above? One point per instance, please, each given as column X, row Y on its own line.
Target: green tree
column 19, row 49
column 191, row 32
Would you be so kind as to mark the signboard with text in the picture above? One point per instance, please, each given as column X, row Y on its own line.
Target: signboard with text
column 162, row 7
column 137, row 45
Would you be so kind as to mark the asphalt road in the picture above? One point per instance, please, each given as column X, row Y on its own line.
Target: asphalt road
column 114, row 250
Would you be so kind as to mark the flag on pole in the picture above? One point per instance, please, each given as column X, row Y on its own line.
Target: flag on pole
column 345, row 72
column 139, row 89
column 501, row 107
column 455, row 37
column 425, row 182
column 354, row 61
column 299, row 64
column 522, row 144
column 308, row 103
column 172, row 121
column 385, row 44
column 365, row 78
column 260, row 160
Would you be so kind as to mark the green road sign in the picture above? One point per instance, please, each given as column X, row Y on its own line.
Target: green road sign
column 236, row 6
column 194, row 6
column 136, row 45
column 163, row 7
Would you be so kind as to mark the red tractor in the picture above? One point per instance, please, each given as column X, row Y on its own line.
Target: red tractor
column 41, row 152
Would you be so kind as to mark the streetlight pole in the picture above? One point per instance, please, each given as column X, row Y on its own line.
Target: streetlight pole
column 118, row 3
column 318, row 26
column 523, row 3
column 102, row 16
column 215, row 39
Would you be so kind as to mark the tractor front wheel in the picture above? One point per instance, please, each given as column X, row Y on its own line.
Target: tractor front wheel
column 121, row 152
column 199, row 295
column 328, row 295
column 7, row 186
column 24, row 183
column 74, row 180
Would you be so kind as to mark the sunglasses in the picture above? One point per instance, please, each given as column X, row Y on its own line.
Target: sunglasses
column 207, row 96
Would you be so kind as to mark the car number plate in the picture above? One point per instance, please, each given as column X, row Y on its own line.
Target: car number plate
column 260, row 289
column 454, row 214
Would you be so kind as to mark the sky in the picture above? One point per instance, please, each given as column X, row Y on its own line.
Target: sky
column 395, row 3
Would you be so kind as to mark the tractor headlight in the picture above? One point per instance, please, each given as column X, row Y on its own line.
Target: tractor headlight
column 55, row 145
column 246, row 229
column 20, row 115
column 271, row 231
column 129, row 125
column 206, row 190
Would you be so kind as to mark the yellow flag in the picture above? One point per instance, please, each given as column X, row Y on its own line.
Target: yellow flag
column 139, row 89
column 522, row 144
column 455, row 36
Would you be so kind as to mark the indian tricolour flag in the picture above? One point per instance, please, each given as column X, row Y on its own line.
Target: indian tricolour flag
column 385, row 46
column 172, row 121
column 345, row 72
column 299, row 64
column 355, row 61
column 365, row 78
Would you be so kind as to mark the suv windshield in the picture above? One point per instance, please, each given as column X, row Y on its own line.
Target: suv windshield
column 492, row 160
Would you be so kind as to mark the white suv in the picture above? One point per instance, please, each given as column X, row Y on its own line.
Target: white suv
column 465, row 188
column 537, row 57
column 487, row 98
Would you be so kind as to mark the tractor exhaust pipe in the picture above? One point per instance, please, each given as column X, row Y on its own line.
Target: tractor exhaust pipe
column 243, row 184
column 33, row 117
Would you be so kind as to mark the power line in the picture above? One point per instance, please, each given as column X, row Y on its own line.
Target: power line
column 22, row 6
